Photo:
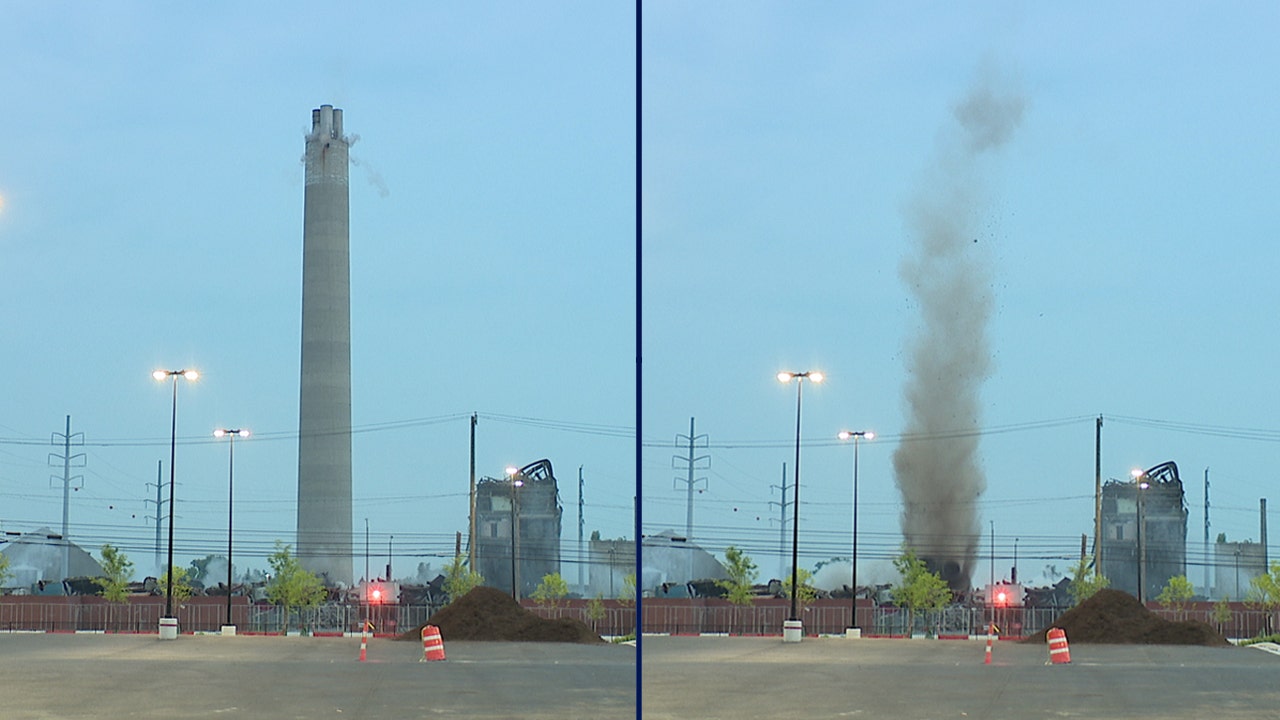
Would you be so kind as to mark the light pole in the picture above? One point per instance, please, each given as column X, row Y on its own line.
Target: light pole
column 169, row 623
column 1237, row 595
column 513, row 476
column 793, row 629
column 1139, row 484
column 231, row 469
column 857, row 436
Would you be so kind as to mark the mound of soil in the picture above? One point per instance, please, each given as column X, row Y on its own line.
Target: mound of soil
column 489, row 614
column 1116, row 617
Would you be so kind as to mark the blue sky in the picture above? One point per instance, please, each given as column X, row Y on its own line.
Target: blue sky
column 152, row 217
column 1128, row 228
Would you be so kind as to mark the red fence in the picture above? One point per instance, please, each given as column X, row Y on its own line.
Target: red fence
column 831, row 617
column 207, row 614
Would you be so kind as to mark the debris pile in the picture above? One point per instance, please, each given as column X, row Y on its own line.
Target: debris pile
column 486, row 613
column 1116, row 617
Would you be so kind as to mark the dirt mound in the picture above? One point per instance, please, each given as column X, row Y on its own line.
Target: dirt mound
column 489, row 614
column 1116, row 617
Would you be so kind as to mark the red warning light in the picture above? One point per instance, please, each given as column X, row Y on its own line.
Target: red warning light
column 1004, row 595
column 375, row 594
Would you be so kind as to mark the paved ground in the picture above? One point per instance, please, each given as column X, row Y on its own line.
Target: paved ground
column 710, row 678
column 46, row 677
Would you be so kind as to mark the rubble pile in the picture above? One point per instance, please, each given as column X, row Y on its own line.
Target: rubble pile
column 489, row 614
column 1116, row 617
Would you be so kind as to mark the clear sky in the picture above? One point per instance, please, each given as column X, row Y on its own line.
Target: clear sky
column 152, row 182
column 1127, row 231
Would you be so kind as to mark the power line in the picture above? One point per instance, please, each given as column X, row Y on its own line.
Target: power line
column 378, row 427
column 826, row 441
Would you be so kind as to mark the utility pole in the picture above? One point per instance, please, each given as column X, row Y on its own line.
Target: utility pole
column 993, row 552
column 471, row 529
column 159, row 503
column 68, row 439
column 1206, row 533
column 782, row 522
column 1097, row 499
column 1262, row 532
column 690, row 462
column 581, row 522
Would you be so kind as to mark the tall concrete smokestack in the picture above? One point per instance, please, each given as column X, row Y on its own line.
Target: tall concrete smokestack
column 324, row 413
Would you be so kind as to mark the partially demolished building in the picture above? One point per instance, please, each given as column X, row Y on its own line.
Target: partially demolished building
column 1147, row 512
column 529, row 503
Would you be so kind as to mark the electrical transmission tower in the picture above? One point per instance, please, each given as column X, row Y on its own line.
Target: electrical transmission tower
column 159, row 517
column 68, row 461
column 689, row 463
column 782, row 522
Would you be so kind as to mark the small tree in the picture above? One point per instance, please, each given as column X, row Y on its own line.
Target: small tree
column 1221, row 615
column 1176, row 594
column 292, row 586
column 1084, row 582
column 1264, row 593
column 181, row 587
column 806, row 593
column 118, row 569
column 742, row 575
column 919, row 589
column 627, row 595
column 459, row 578
column 5, row 574
column 595, row 611
column 551, row 590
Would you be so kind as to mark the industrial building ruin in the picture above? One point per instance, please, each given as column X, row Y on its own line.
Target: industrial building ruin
column 612, row 560
column 529, row 503
column 1144, row 530
column 324, row 410
column 1236, row 564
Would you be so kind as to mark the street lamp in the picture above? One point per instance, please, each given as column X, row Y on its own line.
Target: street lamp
column 1140, row 484
column 231, row 469
column 1013, row 576
column 513, row 475
column 169, row 629
column 857, row 437
column 793, row 629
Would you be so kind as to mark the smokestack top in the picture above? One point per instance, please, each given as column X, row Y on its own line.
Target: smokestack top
column 326, row 121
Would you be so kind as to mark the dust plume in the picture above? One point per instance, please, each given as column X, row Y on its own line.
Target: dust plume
column 948, row 272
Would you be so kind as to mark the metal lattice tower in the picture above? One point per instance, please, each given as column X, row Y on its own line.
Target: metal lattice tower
column 68, row 461
column 782, row 522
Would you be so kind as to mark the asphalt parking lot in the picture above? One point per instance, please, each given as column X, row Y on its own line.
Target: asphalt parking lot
column 47, row 677
column 731, row 677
